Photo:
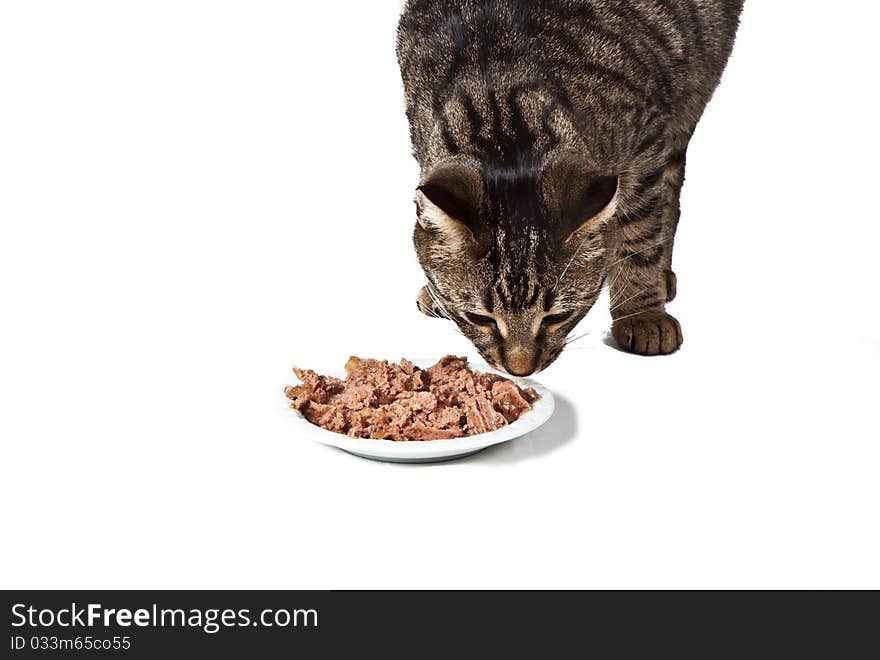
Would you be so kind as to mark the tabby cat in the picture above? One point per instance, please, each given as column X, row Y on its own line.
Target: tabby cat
column 551, row 137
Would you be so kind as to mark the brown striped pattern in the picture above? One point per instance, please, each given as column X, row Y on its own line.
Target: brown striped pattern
column 506, row 87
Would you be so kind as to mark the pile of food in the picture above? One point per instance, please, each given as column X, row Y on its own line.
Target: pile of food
column 401, row 402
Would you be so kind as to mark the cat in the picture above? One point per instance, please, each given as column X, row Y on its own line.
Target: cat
column 552, row 138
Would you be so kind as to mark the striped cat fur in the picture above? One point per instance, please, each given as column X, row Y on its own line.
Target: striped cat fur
column 552, row 139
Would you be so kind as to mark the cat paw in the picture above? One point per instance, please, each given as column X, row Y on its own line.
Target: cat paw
column 651, row 333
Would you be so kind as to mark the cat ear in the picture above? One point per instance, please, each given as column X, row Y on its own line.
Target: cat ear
column 449, row 203
column 581, row 198
column 433, row 217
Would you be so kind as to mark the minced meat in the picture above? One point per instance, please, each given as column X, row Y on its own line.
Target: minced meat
column 386, row 401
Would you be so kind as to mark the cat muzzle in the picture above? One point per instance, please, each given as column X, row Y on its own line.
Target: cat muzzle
column 520, row 361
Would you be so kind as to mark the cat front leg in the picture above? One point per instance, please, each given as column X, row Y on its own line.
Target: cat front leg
column 641, row 278
column 638, row 307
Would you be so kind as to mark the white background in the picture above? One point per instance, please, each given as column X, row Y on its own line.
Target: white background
column 196, row 195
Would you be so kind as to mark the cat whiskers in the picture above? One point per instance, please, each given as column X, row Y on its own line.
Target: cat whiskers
column 436, row 298
column 643, row 250
column 615, row 301
column 568, row 265
column 613, row 265
column 570, row 262
column 615, row 278
column 614, row 297
column 569, row 342
column 430, row 313
column 628, row 316
column 621, row 304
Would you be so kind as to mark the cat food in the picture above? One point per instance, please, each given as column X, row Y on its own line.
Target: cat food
column 401, row 402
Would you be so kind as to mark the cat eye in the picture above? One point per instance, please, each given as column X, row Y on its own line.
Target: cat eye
column 483, row 321
column 556, row 319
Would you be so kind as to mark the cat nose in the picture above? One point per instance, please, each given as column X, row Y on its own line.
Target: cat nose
column 520, row 362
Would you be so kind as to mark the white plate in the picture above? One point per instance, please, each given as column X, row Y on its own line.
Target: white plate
column 432, row 451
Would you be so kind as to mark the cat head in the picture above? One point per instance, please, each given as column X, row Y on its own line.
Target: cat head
column 515, row 255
